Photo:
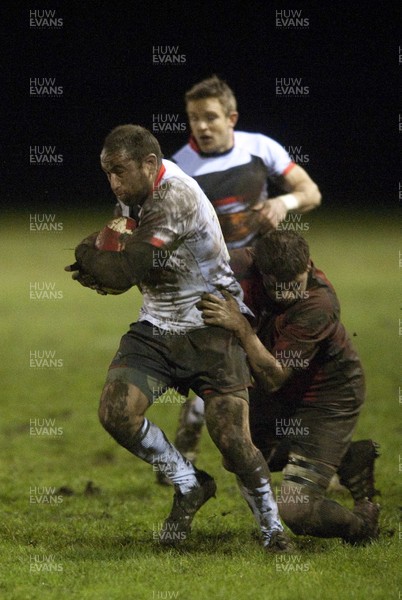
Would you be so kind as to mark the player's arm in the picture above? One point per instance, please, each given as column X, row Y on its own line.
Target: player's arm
column 301, row 195
column 161, row 227
column 297, row 181
column 115, row 270
column 268, row 372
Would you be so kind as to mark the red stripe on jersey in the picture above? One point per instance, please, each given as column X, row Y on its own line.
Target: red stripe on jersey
column 159, row 176
column 289, row 168
column 156, row 242
column 228, row 200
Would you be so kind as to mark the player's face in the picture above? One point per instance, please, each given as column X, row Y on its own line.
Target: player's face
column 131, row 183
column 210, row 125
column 286, row 293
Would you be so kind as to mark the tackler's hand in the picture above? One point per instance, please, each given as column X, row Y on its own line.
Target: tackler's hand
column 223, row 312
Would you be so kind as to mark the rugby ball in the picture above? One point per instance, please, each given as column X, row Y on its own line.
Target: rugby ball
column 113, row 237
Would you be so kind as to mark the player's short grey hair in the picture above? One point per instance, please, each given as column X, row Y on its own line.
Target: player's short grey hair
column 134, row 141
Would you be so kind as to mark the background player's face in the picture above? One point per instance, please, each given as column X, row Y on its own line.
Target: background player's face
column 130, row 183
column 286, row 293
column 210, row 125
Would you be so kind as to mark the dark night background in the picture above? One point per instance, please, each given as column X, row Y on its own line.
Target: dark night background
column 102, row 57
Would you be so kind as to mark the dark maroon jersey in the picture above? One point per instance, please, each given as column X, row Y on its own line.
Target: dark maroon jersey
column 307, row 337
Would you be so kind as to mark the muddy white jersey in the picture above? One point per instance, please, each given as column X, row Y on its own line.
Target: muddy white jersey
column 189, row 253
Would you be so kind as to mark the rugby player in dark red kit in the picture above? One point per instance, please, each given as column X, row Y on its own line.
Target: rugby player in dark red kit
column 309, row 387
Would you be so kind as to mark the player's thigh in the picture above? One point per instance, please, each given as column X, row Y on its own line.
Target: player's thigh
column 138, row 374
column 321, row 434
column 211, row 361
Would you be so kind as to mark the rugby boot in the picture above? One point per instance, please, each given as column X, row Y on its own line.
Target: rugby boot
column 178, row 524
column 356, row 471
column 280, row 543
column 369, row 530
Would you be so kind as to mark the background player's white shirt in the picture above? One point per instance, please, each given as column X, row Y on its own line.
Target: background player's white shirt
column 275, row 158
column 236, row 181
column 190, row 255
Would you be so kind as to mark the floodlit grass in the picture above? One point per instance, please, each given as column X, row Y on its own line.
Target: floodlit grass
column 79, row 514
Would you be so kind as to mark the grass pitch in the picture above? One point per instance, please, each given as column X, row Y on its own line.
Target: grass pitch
column 79, row 515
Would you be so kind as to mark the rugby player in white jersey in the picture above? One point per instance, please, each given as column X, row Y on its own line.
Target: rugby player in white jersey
column 170, row 346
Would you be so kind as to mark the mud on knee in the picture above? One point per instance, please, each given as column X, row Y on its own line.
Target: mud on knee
column 112, row 410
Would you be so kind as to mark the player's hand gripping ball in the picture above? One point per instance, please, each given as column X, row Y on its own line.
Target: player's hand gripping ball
column 113, row 237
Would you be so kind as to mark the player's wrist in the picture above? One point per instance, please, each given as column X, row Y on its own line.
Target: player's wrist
column 290, row 201
column 243, row 329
